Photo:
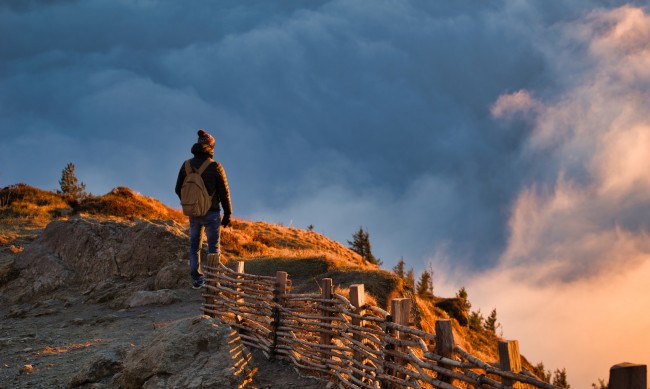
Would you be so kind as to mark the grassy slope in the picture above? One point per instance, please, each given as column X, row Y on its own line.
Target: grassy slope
column 266, row 248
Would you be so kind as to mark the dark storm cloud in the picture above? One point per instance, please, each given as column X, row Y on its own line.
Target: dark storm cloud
column 402, row 95
column 337, row 114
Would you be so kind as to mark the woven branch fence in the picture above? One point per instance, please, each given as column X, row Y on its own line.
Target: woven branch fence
column 349, row 342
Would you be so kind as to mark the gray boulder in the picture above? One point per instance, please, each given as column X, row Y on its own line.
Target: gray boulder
column 99, row 367
column 196, row 352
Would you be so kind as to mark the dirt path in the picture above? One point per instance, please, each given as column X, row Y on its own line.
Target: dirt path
column 44, row 345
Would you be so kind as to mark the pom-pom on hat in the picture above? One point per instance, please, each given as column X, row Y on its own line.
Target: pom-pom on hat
column 205, row 138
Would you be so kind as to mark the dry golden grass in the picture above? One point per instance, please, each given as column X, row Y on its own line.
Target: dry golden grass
column 306, row 256
column 256, row 240
column 25, row 210
column 22, row 204
column 122, row 202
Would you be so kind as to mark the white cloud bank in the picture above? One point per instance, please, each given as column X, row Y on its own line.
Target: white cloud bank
column 573, row 284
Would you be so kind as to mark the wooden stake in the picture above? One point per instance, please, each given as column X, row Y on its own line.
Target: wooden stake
column 326, row 294
column 278, row 298
column 280, row 284
column 401, row 311
column 240, row 299
column 385, row 384
column 628, row 376
column 358, row 300
column 510, row 360
column 445, row 343
column 211, row 296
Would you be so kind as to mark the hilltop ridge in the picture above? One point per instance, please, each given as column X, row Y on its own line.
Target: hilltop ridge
column 110, row 249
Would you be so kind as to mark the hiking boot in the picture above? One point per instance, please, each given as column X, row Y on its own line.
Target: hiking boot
column 198, row 284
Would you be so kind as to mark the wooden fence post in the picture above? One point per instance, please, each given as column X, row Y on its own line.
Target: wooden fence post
column 278, row 300
column 358, row 300
column 444, row 344
column 240, row 299
column 280, row 284
column 401, row 311
column 385, row 384
column 510, row 360
column 326, row 337
column 210, row 296
column 628, row 376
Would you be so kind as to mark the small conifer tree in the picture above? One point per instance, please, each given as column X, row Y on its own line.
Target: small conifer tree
column 560, row 379
column 399, row 268
column 424, row 288
column 409, row 280
column 541, row 372
column 464, row 301
column 361, row 245
column 70, row 186
column 475, row 320
column 491, row 322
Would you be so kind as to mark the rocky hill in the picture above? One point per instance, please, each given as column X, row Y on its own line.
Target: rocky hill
column 91, row 289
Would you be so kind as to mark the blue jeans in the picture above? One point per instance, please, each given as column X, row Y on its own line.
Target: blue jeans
column 210, row 222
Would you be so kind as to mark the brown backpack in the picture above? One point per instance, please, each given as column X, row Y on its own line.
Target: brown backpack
column 195, row 199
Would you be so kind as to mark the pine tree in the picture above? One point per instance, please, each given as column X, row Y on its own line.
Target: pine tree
column 462, row 293
column 560, row 379
column 424, row 288
column 361, row 245
column 542, row 373
column 475, row 320
column 399, row 268
column 70, row 186
column 464, row 301
column 409, row 280
column 491, row 322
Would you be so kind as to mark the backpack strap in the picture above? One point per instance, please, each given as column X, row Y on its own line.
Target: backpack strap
column 205, row 165
column 189, row 169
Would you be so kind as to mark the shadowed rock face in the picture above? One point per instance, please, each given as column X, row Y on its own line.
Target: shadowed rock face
column 85, row 250
column 195, row 352
column 8, row 270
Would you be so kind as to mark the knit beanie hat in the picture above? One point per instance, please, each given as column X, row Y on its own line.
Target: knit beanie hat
column 205, row 138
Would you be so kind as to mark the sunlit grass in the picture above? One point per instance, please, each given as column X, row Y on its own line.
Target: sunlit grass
column 48, row 350
column 125, row 203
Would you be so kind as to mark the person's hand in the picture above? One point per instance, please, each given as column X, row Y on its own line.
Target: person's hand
column 225, row 221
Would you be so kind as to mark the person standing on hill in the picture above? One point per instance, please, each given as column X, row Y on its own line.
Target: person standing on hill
column 216, row 192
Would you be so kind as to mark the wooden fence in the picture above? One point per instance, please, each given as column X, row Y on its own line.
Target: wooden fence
column 349, row 342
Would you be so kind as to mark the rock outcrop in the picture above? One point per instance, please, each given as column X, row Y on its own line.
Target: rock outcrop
column 195, row 352
column 8, row 270
column 84, row 251
column 100, row 366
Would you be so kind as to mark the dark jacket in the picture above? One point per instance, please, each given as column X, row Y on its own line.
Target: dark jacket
column 214, row 178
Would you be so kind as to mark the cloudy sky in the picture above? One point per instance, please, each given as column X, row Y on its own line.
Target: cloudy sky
column 505, row 142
